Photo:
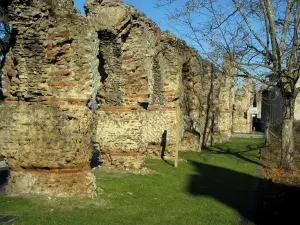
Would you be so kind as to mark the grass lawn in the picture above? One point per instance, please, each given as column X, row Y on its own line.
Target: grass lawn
column 210, row 187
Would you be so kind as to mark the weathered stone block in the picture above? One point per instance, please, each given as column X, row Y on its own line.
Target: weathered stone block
column 121, row 135
column 51, row 184
column 45, row 139
column 244, row 96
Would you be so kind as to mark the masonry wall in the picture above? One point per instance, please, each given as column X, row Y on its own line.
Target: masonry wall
column 224, row 113
column 179, row 71
column 155, row 95
column 47, row 79
column 143, row 74
column 127, row 47
column 244, row 96
column 217, row 97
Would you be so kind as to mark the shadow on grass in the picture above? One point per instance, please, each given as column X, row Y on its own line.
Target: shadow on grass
column 238, row 154
column 269, row 204
column 169, row 163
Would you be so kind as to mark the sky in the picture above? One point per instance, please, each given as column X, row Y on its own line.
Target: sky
column 158, row 15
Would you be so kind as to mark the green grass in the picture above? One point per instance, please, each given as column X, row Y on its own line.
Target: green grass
column 258, row 132
column 210, row 187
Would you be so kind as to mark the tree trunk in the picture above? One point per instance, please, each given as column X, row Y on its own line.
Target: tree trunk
column 287, row 135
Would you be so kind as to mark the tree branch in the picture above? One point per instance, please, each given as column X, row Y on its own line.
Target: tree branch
column 275, row 50
column 220, row 24
column 286, row 24
column 250, row 27
column 267, row 56
column 256, row 64
column 295, row 39
column 258, row 78
column 297, row 91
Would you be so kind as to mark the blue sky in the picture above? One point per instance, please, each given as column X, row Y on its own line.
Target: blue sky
column 158, row 15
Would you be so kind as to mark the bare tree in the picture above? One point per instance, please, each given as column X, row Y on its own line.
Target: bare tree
column 262, row 38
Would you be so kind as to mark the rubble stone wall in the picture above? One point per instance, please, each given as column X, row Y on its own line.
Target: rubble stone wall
column 155, row 95
column 244, row 96
column 217, row 97
column 179, row 71
column 224, row 113
column 121, row 136
column 145, row 79
column 47, row 79
column 127, row 48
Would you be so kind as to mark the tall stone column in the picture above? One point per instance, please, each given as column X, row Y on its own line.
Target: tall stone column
column 244, row 96
column 48, row 77
column 127, row 47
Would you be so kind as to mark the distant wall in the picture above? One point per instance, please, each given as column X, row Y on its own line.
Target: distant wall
column 244, row 97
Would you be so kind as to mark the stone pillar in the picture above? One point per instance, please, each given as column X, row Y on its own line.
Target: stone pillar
column 244, row 96
column 47, row 148
column 127, row 47
column 224, row 113
column 142, row 85
column 173, row 115
column 48, row 76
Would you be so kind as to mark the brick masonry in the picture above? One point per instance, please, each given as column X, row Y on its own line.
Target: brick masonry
column 156, row 94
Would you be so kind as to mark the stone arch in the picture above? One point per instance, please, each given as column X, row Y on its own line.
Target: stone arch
column 145, row 76
column 157, row 98
column 127, row 45
column 190, row 104
column 110, row 68
column 209, row 102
